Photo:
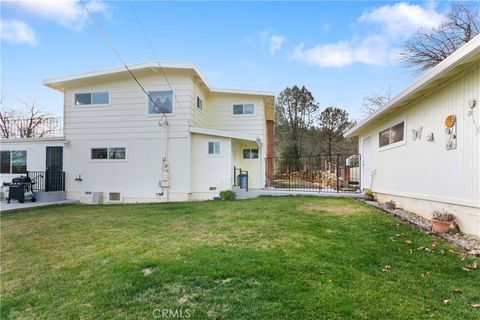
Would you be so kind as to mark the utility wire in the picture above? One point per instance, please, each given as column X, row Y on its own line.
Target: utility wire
column 115, row 51
column 156, row 57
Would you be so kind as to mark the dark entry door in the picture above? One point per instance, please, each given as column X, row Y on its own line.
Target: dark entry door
column 54, row 176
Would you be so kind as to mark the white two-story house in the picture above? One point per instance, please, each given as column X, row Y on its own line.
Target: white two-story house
column 182, row 141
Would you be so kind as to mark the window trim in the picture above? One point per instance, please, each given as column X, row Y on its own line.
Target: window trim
column 114, row 201
column 219, row 154
column 395, row 144
column 26, row 162
column 200, row 109
column 107, row 159
column 243, row 114
column 258, row 152
column 147, row 100
column 92, row 105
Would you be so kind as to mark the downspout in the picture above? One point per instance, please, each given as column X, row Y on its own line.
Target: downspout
column 260, row 147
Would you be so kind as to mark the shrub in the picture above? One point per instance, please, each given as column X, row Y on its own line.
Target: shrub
column 227, row 195
column 368, row 192
column 443, row 215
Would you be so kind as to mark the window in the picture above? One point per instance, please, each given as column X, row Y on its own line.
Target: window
column 214, row 148
column 114, row 196
column 163, row 102
column 13, row 162
column 240, row 109
column 392, row 135
column 92, row 98
column 250, row 153
column 108, row 153
column 199, row 104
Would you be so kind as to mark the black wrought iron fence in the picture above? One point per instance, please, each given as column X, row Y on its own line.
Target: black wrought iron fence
column 323, row 173
column 50, row 180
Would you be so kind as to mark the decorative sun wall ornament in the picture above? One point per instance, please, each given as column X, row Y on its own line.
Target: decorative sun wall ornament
column 417, row 133
column 451, row 132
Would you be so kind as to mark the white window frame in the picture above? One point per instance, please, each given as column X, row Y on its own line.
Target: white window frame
column 11, row 154
column 219, row 148
column 201, row 100
column 396, row 144
column 92, row 105
column 147, row 99
column 243, row 114
column 258, row 151
column 108, row 160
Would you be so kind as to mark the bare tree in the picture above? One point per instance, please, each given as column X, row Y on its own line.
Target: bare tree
column 431, row 46
column 375, row 100
column 28, row 122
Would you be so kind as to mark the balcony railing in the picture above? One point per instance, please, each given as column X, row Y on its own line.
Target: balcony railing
column 31, row 128
column 49, row 180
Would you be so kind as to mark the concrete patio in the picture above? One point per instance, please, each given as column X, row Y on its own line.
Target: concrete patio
column 16, row 206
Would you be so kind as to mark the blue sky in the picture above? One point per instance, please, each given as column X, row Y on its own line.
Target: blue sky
column 341, row 51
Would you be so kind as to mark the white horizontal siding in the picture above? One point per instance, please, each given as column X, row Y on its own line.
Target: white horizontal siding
column 427, row 169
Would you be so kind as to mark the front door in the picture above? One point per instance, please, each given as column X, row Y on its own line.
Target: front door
column 366, row 163
column 54, row 177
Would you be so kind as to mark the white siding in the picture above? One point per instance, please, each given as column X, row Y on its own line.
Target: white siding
column 426, row 170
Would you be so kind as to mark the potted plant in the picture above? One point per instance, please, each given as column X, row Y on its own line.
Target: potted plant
column 368, row 194
column 441, row 221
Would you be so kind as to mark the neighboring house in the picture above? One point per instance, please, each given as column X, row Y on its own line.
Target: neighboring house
column 422, row 148
column 183, row 145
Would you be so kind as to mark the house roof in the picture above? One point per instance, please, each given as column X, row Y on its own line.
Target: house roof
column 59, row 83
column 226, row 134
column 456, row 63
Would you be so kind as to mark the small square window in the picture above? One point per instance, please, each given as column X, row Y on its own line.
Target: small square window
column 160, row 102
column 100, row 98
column 92, row 98
column 250, row 153
column 99, row 153
column 214, row 148
column 199, row 104
column 83, row 98
column 238, row 109
column 116, row 153
column 114, row 196
column 248, row 109
column 391, row 135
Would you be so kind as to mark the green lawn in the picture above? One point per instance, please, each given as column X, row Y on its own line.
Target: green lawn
column 266, row 258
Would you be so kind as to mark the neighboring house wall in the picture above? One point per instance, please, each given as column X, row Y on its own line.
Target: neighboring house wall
column 423, row 176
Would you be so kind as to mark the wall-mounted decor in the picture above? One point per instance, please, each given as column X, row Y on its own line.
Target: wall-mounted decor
column 417, row 133
column 430, row 137
column 471, row 105
column 451, row 132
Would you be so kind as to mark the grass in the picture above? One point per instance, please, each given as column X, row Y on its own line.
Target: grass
column 268, row 258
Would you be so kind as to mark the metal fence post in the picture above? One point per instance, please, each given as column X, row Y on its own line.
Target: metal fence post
column 338, row 171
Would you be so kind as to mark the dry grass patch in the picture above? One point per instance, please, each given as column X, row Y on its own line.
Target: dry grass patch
column 334, row 207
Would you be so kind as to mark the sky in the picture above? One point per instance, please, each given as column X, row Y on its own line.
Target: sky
column 341, row 51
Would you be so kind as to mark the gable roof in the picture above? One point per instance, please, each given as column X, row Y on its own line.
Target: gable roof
column 59, row 83
column 454, row 64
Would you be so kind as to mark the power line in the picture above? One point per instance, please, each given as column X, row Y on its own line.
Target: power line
column 156, row 57
column 115, row 51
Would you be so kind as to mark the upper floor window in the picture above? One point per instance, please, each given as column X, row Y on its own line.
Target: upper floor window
column 240, row 109
column 250, row 153
column 92, row 98
column 392, row 135
column 214, row 148
column 13, row 161
column 199, row 104
column 111, row 153
column 162, row 102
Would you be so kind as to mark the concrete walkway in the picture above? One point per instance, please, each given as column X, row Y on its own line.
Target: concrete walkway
column 242, row 194
column 16, row 206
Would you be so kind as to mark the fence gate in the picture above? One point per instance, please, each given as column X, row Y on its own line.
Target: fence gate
column 322, row 173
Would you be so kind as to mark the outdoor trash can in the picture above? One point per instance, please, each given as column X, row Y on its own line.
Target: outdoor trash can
column 243, row 181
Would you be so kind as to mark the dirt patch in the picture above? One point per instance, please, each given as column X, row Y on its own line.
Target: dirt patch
column 332, row 207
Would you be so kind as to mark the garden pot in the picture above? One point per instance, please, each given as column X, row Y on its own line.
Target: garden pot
column 440, row 226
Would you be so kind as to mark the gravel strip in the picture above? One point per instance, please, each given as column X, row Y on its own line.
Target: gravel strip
column 472, row 246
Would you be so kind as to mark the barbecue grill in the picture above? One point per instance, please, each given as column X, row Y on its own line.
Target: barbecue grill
column 21, row 189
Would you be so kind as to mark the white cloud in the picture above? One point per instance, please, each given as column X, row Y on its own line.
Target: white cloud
column 68, row 13
column 381, row 30
column 15, row 31
column 403, row 19
column 276, row 43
